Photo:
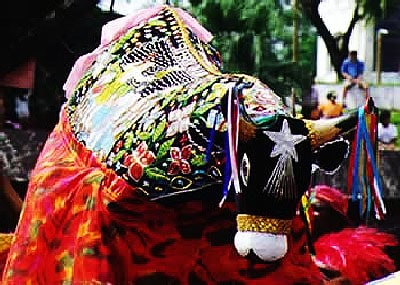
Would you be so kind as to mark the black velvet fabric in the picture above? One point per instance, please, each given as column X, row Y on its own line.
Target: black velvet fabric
column 252, row 199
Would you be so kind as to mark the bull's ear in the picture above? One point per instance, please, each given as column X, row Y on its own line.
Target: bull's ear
column 330, row 156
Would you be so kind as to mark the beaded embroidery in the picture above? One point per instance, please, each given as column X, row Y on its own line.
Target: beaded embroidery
column 152, row 104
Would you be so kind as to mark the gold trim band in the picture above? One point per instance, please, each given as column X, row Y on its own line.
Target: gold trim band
column 312, row 134
column 252, row 223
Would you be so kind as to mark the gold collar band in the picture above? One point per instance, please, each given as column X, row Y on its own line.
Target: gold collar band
column 252, row 223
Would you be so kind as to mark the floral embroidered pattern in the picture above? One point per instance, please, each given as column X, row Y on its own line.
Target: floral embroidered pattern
column 180, row 162
column 165, row 154
column 179, row 121
column 140, row 158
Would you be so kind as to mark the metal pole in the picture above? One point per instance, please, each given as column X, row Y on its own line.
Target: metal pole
column 293, row 95
column 378, row 58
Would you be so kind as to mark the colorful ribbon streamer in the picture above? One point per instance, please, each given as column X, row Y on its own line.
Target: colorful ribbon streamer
column 365, row 183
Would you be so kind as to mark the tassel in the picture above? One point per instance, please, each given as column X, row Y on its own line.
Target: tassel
column 227, row 174
column 365, row 181
column 231, row 151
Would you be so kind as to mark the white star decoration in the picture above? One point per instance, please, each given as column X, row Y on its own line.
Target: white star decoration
column 285, row 141
column 281, row 184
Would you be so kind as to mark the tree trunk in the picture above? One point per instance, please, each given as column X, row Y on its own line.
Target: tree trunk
column 338, row 47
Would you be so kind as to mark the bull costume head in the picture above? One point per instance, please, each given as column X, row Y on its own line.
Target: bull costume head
column 275, row 171
column 152, row 104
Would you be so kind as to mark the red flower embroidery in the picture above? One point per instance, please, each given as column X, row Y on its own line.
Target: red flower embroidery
column 180, row 160
column 140, row 158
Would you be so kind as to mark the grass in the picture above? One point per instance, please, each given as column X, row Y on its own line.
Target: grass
column 395, row 119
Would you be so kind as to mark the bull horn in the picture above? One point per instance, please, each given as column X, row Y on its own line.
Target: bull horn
column 324, row 130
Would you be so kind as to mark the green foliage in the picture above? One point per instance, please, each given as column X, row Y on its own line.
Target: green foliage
column 395, row 119
column 255, row 37
column 377, row 9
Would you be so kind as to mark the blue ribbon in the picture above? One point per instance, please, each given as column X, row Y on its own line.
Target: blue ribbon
column 227, row 171
column 211, row 139
column 363, row 136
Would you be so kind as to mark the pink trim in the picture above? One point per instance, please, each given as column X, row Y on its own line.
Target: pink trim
column 195, row 26
column 116, row 28
column 77, row 71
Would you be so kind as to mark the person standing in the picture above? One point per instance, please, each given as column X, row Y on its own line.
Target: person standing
column 352, row 70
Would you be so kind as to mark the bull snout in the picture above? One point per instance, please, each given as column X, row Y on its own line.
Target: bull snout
column 264, row 237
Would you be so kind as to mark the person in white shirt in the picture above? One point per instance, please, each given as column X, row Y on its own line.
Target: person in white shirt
column 387, row 132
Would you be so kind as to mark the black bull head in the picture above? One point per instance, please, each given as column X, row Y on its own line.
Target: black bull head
column 275, row 171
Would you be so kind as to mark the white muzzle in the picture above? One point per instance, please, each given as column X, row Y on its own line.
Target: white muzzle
column 268, row 247
column 265, row 237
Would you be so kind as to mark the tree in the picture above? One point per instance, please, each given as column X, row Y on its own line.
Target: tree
column 338, row 46
column 255, row 37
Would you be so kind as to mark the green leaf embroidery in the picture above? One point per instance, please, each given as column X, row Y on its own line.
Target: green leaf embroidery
column 198, row 160
column 128, row 140
column 156, row 22
column 123, row 89
column 184, row 96
column 159, row 130
column 144, row 136
column 84, row 79
column 164, row 148
column 113, row 88
column 120, row 43
column 119, row 155
column 167, row 100
column 201, row 89
column 204, row 108
column 155, row 173
column 218, row 91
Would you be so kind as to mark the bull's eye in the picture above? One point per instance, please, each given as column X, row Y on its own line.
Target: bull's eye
column 245, row 169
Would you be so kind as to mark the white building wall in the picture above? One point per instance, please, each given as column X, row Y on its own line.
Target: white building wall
column 337, row 15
